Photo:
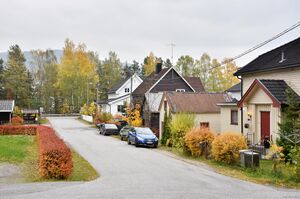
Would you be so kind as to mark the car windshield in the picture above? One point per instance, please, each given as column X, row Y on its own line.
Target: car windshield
column 145, row 131
column 111, row 126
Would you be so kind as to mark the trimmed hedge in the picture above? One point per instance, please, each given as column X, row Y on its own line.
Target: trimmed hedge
column 55, row 158
column 17, row 130
column 17, row 120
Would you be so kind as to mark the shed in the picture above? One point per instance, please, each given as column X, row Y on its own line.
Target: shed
column 6, row 109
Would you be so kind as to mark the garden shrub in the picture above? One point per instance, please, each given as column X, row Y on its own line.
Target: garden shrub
column 55, row 158
column 195, row 136
column 102, row 117
column 17, row 130
column 181, row 123
column 225, row 147
column 17, row 120
column 166, row 135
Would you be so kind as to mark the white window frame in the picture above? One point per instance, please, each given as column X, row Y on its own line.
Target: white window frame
column 180, row 90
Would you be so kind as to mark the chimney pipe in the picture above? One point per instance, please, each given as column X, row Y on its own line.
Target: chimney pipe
column 158, row 67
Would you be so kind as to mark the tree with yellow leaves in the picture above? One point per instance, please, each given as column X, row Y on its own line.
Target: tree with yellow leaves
column 77, row 77
column 149, row 64
column 133, row 117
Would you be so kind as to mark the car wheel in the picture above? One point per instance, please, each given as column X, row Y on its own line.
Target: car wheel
column 128, row 142
column 122, row 138
column 155, row 146
column 136, row 143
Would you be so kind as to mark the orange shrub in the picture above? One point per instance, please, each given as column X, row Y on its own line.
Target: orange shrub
column 17, row 130
column 195, row 136
column 55, row 158
column 225, row 147
column 17, row 120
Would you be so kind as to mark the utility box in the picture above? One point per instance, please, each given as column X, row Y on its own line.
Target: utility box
column 249, row 158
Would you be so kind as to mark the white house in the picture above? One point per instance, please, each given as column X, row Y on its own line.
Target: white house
column 119, row 95
column 264, row 82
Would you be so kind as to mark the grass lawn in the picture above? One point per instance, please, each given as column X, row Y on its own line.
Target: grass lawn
column 263, row 175
column 23, row 151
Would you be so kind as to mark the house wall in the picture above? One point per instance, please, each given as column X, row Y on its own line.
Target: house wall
column 290, row 76
column 171, row 82
column 114, row 105
column 225, row 119
column 121, row 91
column 212, row 118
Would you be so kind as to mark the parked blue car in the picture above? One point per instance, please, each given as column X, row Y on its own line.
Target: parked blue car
column 142, row 137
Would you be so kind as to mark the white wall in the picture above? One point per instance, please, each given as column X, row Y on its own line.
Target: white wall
column 290, row 76
column 87, row 118
column 114, row 105
column 225, row 120
column 212, row 118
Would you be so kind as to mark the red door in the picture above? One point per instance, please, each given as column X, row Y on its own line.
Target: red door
column 265, row 125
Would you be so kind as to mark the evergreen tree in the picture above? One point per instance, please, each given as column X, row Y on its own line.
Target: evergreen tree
column 289, row 136
column 16, row 77
column 167, row 63
column 2, row 92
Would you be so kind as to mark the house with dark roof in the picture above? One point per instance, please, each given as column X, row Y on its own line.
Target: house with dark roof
column 150, row 92
column 119, row 95
column 264, row 82
column 6, row 110
column 203, row 105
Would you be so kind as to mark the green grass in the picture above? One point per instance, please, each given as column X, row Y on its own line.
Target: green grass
column 43, row 120
column 262, row 175
column 14, row 148
column 23, row 151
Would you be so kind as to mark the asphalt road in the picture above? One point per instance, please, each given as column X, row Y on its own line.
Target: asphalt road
column 129, row 172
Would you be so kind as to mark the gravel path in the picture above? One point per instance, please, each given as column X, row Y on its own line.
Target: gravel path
column 129, row 172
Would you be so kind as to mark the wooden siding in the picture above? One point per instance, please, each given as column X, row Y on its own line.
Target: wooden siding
column 171, row 82
column 290, row 76
column 259, row 97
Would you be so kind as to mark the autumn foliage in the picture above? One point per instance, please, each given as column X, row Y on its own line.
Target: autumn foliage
column 17, row 130
column 17, row 120
column 225, row 147
column 55, row 158
column 195, row 136
column 133, row 117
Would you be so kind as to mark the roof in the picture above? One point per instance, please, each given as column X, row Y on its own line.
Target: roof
column 150, row 81
column 199, row 102
column 235, row 88
column 30, row 111
column 6, row 105
column 196, row 83
column 285, row 56
column 118, row 85
column 275, row 89
column 107, row 101
column 278, row 89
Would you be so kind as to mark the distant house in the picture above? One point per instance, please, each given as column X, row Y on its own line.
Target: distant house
column 203, row 105
column 263, row 88
column 6, row 110
column 119, row 95
column 150, row 92
column 235, row 91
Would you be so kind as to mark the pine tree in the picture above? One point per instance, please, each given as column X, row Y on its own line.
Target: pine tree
column 16, row 77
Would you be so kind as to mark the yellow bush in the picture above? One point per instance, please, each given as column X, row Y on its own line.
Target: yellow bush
column 225, row 147
column 195, row 136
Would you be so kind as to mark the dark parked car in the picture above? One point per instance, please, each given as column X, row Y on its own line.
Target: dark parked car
column 108, row 129
column 142, row 137
column 121, row 124
column 124, row 132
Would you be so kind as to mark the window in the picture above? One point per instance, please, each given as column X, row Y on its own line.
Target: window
column 204, row 125
column 121, row 108
column 180, row 90
column 165, row 105
column 234, row 117
column 127, row 90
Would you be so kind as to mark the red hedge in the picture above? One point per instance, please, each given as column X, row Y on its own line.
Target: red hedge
column 17, row 130
column 55, row 158
column 17, row 120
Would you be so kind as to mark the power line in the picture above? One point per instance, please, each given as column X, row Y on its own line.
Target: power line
column 260, row 45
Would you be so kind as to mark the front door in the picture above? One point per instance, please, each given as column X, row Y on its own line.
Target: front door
column 265, row 125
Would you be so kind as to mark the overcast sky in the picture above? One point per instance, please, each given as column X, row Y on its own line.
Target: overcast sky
column 133, row 28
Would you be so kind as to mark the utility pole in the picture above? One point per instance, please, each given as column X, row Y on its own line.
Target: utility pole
column 172, row 51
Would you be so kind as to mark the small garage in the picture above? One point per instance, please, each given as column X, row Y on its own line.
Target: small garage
column 6, row 110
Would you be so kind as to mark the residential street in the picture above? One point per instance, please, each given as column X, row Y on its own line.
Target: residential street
column 130, row 172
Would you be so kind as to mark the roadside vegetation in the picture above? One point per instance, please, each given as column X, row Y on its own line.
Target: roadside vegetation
column 221, row 152
column 19, row 146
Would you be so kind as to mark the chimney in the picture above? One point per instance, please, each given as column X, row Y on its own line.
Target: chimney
column 158, row 66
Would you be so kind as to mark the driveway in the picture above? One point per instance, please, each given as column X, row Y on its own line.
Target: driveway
column 129, row 172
